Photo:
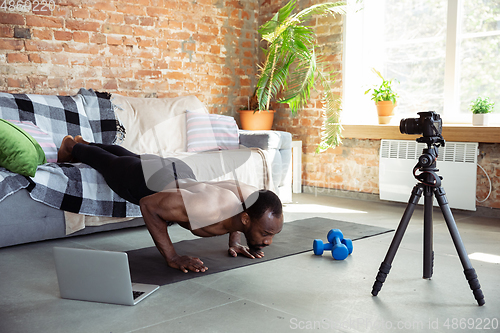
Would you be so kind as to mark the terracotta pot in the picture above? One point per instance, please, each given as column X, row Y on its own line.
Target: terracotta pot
column 385, row 110
column 256, row 120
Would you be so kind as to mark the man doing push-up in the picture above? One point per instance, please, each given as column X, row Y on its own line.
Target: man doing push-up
column 172, row 194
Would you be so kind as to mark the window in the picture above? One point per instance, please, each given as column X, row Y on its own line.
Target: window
column 444, row 53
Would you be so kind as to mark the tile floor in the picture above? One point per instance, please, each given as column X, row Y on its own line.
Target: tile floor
column 297, row 293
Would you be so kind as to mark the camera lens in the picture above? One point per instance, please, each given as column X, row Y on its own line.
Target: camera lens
column 409, row 126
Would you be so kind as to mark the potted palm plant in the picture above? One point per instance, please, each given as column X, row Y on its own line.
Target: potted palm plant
column 481, row 108
column 292, row 67
column 385, row 99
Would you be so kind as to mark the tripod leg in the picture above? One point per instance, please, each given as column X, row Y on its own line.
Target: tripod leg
column 428, row 251
column 469, row 271
column 385, row 267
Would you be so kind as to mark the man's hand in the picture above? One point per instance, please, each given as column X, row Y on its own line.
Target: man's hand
column 186, row 263
column 245, row 250
column 236, row 248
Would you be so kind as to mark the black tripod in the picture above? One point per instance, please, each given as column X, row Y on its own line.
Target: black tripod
column 429, row 184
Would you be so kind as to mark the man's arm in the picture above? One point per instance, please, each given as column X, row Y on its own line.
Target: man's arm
column 158, row 229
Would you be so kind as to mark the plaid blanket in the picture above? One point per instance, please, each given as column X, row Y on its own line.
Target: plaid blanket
column 76, row 187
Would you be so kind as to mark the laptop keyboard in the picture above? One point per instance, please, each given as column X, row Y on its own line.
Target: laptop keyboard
column 137, row 293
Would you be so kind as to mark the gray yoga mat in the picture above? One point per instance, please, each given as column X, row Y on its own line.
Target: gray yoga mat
column 148, row 266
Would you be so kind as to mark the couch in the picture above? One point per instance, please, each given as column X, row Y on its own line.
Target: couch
column 64, row 200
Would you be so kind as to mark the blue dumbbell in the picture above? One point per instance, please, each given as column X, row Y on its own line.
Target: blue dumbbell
column 345, row 241
column 348, row 243
column 339, row 246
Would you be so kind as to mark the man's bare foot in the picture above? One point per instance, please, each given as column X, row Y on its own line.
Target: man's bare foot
column 79, row 139
column 64, row 153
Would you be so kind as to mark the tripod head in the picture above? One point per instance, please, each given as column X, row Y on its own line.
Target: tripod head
column 430, row 125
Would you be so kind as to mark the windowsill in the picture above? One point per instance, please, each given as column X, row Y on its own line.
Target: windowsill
column 452, row 133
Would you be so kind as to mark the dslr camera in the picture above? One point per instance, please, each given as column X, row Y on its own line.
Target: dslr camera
column 429, row 125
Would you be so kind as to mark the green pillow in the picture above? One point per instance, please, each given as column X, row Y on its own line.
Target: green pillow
column 19, row 152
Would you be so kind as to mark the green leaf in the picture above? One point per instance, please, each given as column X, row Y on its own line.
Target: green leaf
column 481, row 105
column 292, row 69
column 384, row 91
column 284, row 12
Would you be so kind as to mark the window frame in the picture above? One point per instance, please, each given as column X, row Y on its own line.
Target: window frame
column 353, row 52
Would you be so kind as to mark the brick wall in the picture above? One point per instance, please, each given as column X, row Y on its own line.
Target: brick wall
column 150, row 48
column 489, row 159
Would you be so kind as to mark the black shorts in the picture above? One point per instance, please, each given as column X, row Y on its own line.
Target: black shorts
column 126, row 172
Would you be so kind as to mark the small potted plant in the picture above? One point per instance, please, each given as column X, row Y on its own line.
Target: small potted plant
column 481, row 108
column 292, row 67
column 385, row 99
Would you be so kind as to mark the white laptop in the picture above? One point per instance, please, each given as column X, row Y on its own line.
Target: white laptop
column 98, row 276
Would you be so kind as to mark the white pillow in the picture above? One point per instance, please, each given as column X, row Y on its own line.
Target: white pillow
column 163, row 138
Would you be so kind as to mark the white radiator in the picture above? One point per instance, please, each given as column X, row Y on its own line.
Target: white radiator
column 457, row 164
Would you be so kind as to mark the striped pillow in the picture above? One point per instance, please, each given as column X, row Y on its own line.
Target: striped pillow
column 44, row 140
column 206, row 131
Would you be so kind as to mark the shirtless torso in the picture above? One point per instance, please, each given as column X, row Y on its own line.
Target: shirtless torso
column 206, row 209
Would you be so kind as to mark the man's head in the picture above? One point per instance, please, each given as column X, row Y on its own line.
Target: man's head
column 263, row 219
